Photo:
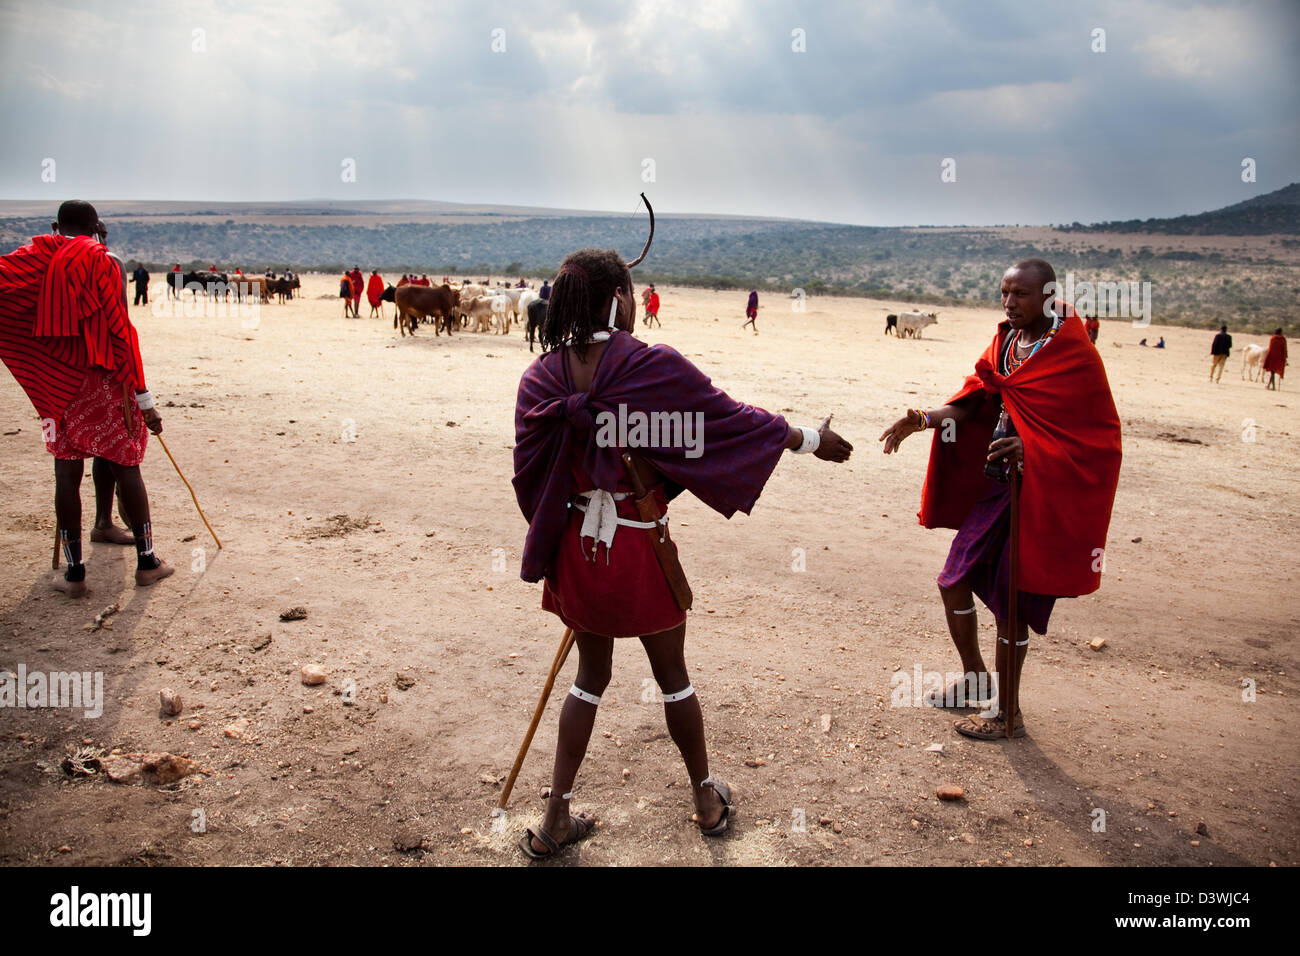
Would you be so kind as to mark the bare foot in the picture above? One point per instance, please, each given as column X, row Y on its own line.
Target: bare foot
column 111, row 535
column 70, row 588
column 145, row 578
column 708, row 808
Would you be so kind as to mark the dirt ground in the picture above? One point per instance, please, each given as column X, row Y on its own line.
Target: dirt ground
column 418, row 587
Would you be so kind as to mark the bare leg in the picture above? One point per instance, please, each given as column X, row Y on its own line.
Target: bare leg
column 577, row 718
column 130, row 483
column 105, row 484
column 959, row 609
column 666, row 651
column 67, row 513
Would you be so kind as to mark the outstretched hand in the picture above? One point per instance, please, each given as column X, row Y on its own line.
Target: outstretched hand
column 893, row 435
column 831, row 447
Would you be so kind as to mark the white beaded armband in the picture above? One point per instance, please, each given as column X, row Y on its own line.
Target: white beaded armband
column 144, row 400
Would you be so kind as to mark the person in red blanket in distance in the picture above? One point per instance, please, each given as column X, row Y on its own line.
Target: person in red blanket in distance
column 1042, row 384
column 66, row 337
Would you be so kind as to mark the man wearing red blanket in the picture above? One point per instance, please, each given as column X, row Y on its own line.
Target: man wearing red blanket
column 66, row 337
column 1043, row 381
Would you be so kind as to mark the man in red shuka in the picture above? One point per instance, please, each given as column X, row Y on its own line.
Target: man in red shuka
column 66, row 337
column 1042, row 382
column 1275, row 359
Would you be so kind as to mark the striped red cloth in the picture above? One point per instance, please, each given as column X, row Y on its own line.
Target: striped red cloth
column 62, row 311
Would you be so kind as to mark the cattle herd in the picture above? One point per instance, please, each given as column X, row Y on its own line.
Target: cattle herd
column 222, row 285
column 474, row 306
column 471, row 305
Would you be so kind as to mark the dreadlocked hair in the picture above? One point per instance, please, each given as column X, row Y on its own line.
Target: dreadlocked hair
column 580, row 295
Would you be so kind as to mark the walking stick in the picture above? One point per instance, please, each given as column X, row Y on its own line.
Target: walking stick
column 566, row 644
column 191, row 490
column 1010, row 695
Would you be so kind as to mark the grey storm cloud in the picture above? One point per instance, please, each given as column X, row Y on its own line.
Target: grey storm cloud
column 225, row 100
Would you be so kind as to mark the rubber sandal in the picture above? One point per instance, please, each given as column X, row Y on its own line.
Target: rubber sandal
column 580, row 827
column 988, row 728
column 724, row 794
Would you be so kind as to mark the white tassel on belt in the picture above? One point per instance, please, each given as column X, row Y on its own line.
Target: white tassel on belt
column 602, row 518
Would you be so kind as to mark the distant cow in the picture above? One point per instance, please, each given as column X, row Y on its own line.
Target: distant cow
column 914, row 323
column 282, row 289
column 1252, row 359
column 536, row 316
column 501, row 309
column 478, row 311
column 891, row 323
column 414, row 302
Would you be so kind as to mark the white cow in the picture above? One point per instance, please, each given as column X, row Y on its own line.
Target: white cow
column 914, row 323
column 1252, row 359
column 501, row 308
column 528, row 297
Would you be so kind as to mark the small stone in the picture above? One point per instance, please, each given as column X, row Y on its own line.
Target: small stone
column 237, row 729
column 1138, row 539
column 826, row 723
column 755, row 762
column 313, row 674
column 262, row 642
column 1097, row 643
column 194, row 725
column 1196, row 843
column 404, row 682
column 169, row 703
column 383, row 698
column 836, row 828
column 407, row 841
column 1202, row 829
column 950, row 792
column 825, row 821
column 934, row 749
column 294, row 614
column 1029, row 842
column 308, row 709
column 967, row 838
column 490, row 778
column 65, row 849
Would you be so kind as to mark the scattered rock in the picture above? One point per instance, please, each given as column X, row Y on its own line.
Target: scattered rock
column 407, row 841
column 934, row 749
column 488, row 778
column 826, row 723
column 236, row 730
column 1202, row 829
column 194, row 725
column 755, row 762
column 1137, row 540
column 155, row 769
column 1097, row 643
column 825, row 821
column 950, row 792
column 169, row 703
column 967, row 838
column 308, row 709
column 312, row 675
column 261, row 643
column 294, row 614
column 404, row 682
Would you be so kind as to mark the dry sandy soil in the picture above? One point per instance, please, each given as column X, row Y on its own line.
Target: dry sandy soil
column 421, row 582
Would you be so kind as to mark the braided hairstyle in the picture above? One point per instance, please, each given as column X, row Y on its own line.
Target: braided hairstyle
column 580, row 295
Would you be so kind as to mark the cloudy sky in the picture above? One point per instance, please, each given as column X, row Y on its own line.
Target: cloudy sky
column 817, row 110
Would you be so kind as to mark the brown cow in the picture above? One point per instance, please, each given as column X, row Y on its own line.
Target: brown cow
column 414, row 302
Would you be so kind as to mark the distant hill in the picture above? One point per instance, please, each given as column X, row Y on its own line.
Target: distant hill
column 1275, row 213
column 1249, row 282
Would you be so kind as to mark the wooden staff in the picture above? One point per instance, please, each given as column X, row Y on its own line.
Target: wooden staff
column 191, row 490
column 1010, row 696
column 566, row 644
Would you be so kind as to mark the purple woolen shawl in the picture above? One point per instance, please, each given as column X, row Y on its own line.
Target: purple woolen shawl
column 556, row 426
